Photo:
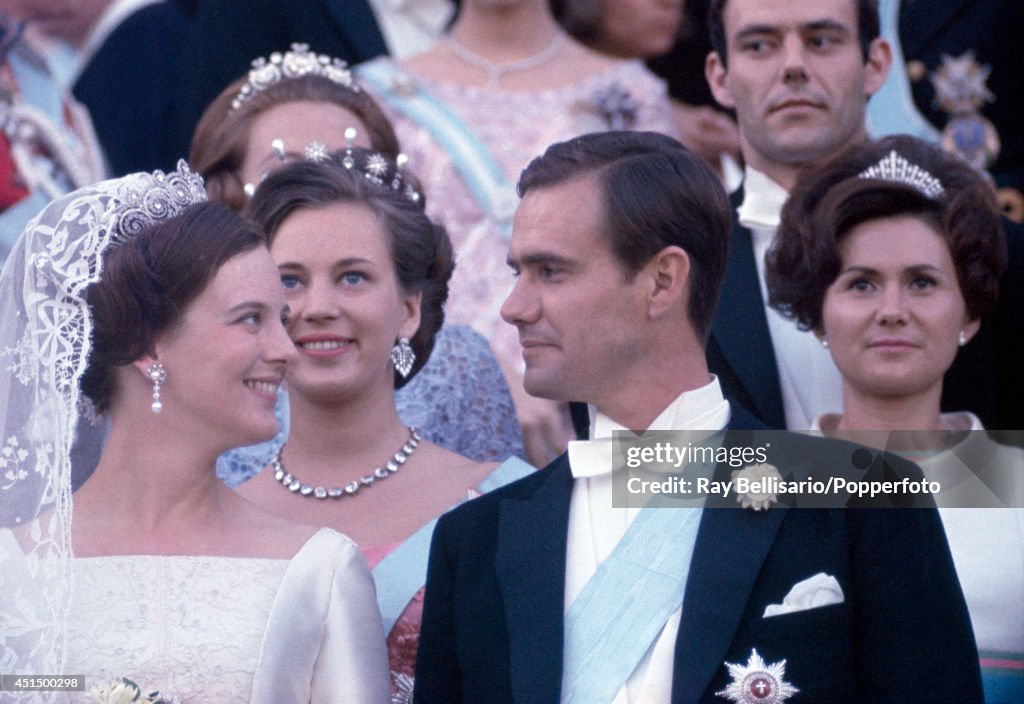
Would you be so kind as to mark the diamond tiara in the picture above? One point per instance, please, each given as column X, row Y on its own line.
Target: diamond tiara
column 298, row 62
column 151, row 198
column 893, row 167
column 375, row 167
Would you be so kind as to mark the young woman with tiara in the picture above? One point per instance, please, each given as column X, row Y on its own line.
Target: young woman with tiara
column 365, row 274
column 297, row 101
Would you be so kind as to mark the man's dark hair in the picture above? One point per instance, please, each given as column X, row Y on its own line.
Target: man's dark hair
column 868, row 27
column 655, row 194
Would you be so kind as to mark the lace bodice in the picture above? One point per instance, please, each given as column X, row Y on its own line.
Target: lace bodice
column 223, row 629
column 515, row 127
column 131, row 617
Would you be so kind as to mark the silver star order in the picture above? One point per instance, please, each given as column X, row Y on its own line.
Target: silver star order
column 757, row 683
column 960, row 84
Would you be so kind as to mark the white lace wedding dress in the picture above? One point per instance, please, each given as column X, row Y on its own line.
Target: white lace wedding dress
column 221, row 629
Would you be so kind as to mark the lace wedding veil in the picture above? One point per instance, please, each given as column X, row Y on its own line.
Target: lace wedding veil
column 48, row 429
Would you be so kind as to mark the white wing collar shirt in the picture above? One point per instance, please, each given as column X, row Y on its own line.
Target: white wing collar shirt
column 810, row 383
column 596, row 527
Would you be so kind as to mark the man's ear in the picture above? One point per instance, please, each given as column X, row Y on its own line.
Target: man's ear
column 715, row 73
column 876, row 68
column 669, row 274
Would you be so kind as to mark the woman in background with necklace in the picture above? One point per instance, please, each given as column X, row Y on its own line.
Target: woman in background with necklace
column 296, row 101
column 365, row 275
column 471, row 112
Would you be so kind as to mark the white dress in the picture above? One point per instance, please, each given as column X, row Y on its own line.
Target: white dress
column 225, row 629
column 978, row 478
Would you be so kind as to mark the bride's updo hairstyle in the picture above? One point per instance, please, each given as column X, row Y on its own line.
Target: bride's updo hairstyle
column 150, row 279
column 420, row 249
column 222, row 135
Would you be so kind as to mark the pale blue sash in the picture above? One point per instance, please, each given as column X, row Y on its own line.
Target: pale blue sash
column 37, row 88
column 622, row 609
column 401, row 574
column 892, row 110
column 486, row 181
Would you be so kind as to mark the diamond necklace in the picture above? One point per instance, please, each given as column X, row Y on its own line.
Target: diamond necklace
column 496, row 71
column 296, row 486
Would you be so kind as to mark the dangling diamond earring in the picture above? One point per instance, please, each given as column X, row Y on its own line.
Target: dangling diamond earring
column 403, row 357
column 824, row 342
column 158, row 375
column 962, row 338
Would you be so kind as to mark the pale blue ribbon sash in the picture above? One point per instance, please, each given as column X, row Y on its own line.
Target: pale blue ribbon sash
column 892, row 110
column 401, row 574
column 474, row 162
column 37, row 88
column 624, row 606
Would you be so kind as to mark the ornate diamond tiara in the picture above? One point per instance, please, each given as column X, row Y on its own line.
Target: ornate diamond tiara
column 893, row 167
column 151, row 198
column 298, row 62
column 375, row 166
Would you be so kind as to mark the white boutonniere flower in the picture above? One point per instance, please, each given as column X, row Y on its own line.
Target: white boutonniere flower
column 756, row 485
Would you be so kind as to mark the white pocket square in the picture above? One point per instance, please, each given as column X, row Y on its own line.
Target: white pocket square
column 820, row 590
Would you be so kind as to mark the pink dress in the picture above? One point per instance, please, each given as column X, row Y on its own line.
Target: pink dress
column 514, row 127
column 404, row 637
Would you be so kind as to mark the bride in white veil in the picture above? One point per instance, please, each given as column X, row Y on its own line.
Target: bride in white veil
column 167, row 311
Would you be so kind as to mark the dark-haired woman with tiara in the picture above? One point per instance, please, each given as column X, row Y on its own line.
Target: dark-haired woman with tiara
column 136, row 309
column 892, row 254
column 297, row 101
column 365, row 274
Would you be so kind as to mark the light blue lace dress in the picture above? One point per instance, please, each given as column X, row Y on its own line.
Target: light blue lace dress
column 459, row 400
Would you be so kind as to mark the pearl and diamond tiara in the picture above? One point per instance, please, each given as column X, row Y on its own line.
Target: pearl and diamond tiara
column 296, row 63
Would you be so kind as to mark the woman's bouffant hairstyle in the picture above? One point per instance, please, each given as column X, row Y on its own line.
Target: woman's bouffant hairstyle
column 420, row 249
column 831, row 199
column 149, row 281
column 222, row 134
